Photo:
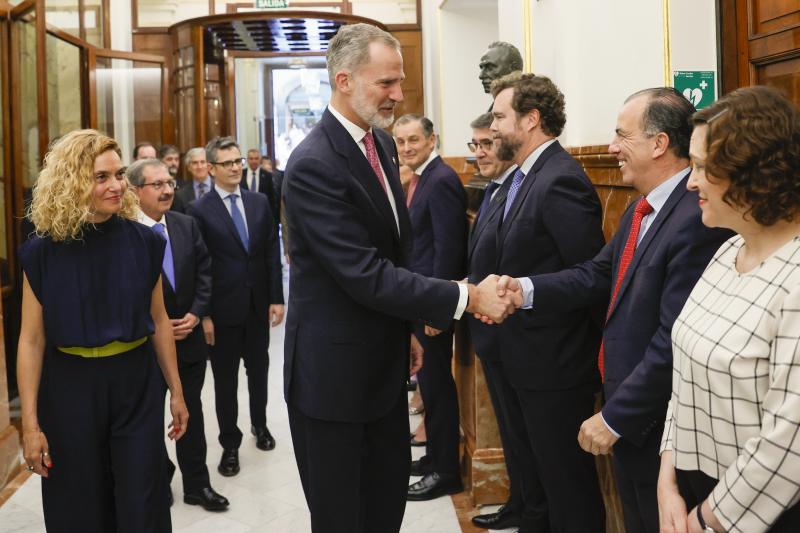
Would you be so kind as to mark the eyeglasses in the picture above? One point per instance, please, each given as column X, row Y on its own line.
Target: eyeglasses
column 485, row 144
column 158, row 185
column 227, row 165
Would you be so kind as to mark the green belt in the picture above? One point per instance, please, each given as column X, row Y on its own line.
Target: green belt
column 112, row 348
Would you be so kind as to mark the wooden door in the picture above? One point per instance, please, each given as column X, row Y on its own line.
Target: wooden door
column 760, row 44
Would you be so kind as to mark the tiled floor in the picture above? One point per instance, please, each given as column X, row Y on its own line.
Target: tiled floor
column 265, row 497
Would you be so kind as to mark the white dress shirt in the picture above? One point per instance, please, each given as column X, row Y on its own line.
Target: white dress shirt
column 149, row 222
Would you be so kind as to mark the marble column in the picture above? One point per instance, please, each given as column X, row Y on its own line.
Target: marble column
column 10, row 460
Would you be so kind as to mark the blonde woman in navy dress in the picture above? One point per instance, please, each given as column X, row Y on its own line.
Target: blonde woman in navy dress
column 731, row 449
column 94, row 334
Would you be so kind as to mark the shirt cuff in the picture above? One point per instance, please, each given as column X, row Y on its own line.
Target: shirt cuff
column 609, row 427
column 527, row 292
column 463, row 296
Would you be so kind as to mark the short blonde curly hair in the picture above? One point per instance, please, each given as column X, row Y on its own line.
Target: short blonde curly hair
column 62, row 196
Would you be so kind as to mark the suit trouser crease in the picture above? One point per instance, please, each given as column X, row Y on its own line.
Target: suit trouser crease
column 499, row 386
column 354, row 474
column 250, row 342
column 548, row 448
column 438, row 390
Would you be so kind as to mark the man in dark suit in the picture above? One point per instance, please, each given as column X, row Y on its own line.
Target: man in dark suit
column 642, row 295
column 187, row 291
column 257, row 179
column 551, row 219
column 201, row 182
column 246, row 296
column 482, row 261
column 352, row 299
column 437, row 208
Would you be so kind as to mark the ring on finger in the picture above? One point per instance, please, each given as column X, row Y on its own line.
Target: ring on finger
column 29, row 468
column 45, row 454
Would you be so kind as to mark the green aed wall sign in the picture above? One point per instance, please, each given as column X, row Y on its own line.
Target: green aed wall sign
column 267, row 4
column 697, row 86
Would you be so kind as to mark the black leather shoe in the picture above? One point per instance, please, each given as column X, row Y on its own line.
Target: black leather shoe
column 208, row 498
column 420, row 468
column 502, row 519
column 264, row 440
column 229, row 464
column 434, row 485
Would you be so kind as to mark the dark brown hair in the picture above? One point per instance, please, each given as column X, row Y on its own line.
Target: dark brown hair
column 535, row 92
column 753, row 141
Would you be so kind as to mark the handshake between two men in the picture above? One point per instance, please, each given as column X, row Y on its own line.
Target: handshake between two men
column 494, row 298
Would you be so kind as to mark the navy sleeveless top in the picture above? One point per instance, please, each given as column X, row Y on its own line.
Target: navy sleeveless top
column 95, row 290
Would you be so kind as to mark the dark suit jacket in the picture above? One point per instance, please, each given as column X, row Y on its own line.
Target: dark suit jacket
column 554, row 222
column 482, row 261
column 243, row 281
column 637, row 336
column 265, row 186
column 351, row 298
column 184, row 196
column 192, row 266
column 438, row 214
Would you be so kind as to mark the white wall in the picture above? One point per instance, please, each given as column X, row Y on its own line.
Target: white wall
column 597, row 52
column 454, row 96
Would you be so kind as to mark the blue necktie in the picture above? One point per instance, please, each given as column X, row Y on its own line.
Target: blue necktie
column 238, row 221
column 167, row 265
column 487, row 198
column 512, row 191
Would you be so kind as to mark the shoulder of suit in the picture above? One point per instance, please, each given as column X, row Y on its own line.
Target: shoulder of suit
column 178, row 217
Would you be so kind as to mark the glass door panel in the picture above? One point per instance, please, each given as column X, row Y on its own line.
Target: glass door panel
column 128, row 101
column 64, row 87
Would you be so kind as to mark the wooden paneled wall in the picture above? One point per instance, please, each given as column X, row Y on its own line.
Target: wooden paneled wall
column 411, row 45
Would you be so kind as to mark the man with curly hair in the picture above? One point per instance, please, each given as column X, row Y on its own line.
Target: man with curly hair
column 551, row 220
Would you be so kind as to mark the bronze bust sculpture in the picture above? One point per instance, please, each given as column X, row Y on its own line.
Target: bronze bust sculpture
column 500, row 58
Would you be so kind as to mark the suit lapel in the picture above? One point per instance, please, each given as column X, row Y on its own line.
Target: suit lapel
column 492, row 212
column 424, row 179
column 649, row 237
column 525, row 188
column 216, row 204
column 361, row 170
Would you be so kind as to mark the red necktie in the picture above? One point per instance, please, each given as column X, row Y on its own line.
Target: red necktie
column 372, row 157
column 411, row 188
column 641, row 210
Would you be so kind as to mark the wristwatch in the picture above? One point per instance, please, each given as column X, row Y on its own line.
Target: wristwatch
column 706, row 527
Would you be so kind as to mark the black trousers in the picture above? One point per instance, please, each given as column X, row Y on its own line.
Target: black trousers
column 440, row 398
column 249, row 342
column 695, row 486
column 191, row 448
column 499, row 387
column 638, row 497
column 104, row 422
column 354, row 475
column 547, row 449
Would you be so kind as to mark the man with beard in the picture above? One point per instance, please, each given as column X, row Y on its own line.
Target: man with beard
column 348, row 332
column 551, row 219
column 187, row 290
